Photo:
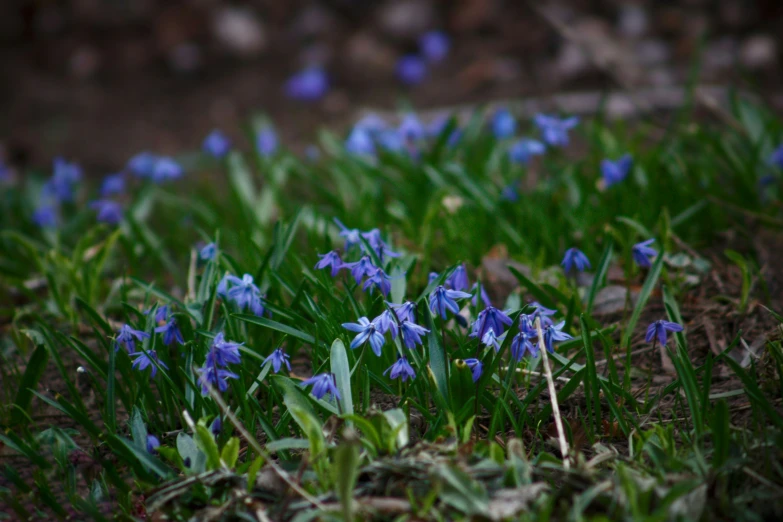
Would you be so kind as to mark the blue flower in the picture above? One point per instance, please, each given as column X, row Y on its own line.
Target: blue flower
column 458, row 279
column 278, row 358
column 434, row 45
column 216, row 144
column 147, row 359
column 214, row 376
column 127, row 337
column 331, row 259
column 510, row 192
column 475, row 367
column 390, row 140
column 310, row 84
column 223, row 285
column 161, row 313
column 266, row 141
column 411, row 129
column 542, row 313
column 552, row 334
column 401, row 369
column 368, row 331
column 776, row 158
column 246, row 295
column 484, row 295
column 361, row 268
column 503, row 124
column 64, row 177
column 405, row 311
column 352, row 236
column 360, row 142
column 45, row 216
column 659, row 328
column 554, row 130
column 490, row 319
column 170, row 332
column 490, row 339
column 432, row 277
column 216, row 426
column 372, row 123
column 142, row 164
column 113, row 184
column 442, row 299
column 386, row 323
column 616, row 171
column 642, row 253
column 207, row 252
column 379, row 246
column 108, row 211
column 378, row 279
column 520, row 344
column 523, row 149
column 411, row 69
column 323, row 384
column 222, row 352
column 575, row 258
column 411, row 334
column 166, row 169
column 152, row 444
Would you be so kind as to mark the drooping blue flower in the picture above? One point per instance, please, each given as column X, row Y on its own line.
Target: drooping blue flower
column 142, row 164
column 211, row 375
column 503, row 124
column 207, row 252
column 522, row 343
column 352, row 236
column 360, row 142
column 161, row 314
column 143, row 360
column 386, row 322
column 552, row 334
column 278, row 358
column 216, row 144
column 45, row 216
column 490, row 339
column 575, row 258
column 152, row 444
column 554, row 130
column 266, row 141
column 216, row 426
column 127, row 338
column 401, row 369
column 659, row 328
column 541, row 312
column 442, row 300
column 434, row 45
column 432, row 277
column 411, row 129
column 490, row 319
column 108, row 211
column 330, row 260
column 616, row 171
column 368, row 331
column 113, row 184
column 475, row 368
column 309, row 84
column 458, row 279
column 390, row 140
column 510, row 192
column 405, row 311
column 411, row 69
column 522, row 150
column 379, row 246
column 166, row 169
column 223, row 352
column 380, row 280
column 411, row 334
column 170, row 332
column 323, row 384
column 776, row 158
column 63, row 179
column 246, row 295
column 642, row 253
column 372, row 123
column 362, row 267
column 484, row 296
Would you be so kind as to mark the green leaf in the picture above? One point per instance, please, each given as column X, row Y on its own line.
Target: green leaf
column 600, row 275
column 346, row 470
column 230, row 453
column 32, row 374
column 721, row 434
column 152, row 463
column 437, row 355
column 138, row 429
column 252, row 472
column 188, row 449
column 274, row 325
column 342, row 374
column 206, row 443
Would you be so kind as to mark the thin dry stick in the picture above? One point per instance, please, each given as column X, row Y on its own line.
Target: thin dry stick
column 553, row 396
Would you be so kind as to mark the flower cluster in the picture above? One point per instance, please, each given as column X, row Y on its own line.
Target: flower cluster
column 214, row 372
column 242, row 292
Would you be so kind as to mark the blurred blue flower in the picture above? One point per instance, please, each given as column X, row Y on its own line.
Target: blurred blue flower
column 510, row 192
column 541, row 312
column 490, row 319
column 376, row 242
column 143, row 360
column 642, row 253
column 113, row 184
column 161, row 313
column 323, row 384
column 484, row 295
column 386, row 322
column 266, row 141
column 108, row 211
column 207, row 252
column 63, row 179
column 360, row 142
column 405, row 311
column 372, row 123
column 442, row 299
column 278, row 358
column 520, row 344
column 390, row 140
column 659, row 328
column 776, row 158
column 222, row 352
column 554, row 130
column 458, row 279
column 411, row 334
column 330, row 260
column 438, row 124
column 490, row 339
column 5, row 171
column 401, row 369
column 152, row 444
column 434, row 45
column 380, row 280
column 411, row 69
column 503, row 124
column 475, row 368
column 552, row 334
column 575, row 258
column 214, row 376
column 525, row 148
column 142, row 164
column 616, row 171
column 368, row 331
column 246, row 295
column 411, row 129
column 45, row 216
column 170, row 332
column 127, row 338
column 432, row 277
column 216, row 144
column 165, row 169
column 352, row 235
column 309, row 84
column 216, row 426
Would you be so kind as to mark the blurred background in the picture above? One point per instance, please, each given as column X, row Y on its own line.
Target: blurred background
column 99, row 80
